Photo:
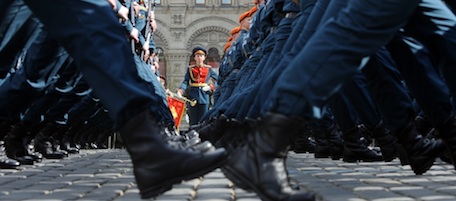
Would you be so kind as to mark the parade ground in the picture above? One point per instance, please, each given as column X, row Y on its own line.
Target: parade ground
column 106, row 175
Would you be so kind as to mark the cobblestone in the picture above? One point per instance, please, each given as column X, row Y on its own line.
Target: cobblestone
column 98, row 175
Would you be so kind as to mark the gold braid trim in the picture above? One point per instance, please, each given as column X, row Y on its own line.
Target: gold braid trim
column 191, row 74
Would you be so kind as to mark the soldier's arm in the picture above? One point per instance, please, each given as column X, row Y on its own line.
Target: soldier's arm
column 184, row 84
column 214, row 78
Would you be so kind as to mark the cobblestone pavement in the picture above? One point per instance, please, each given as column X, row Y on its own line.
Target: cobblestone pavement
column 98, row 175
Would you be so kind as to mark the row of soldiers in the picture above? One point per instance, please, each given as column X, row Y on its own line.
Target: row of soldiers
column 400, row 99
column 71, row 65
column 48, row 110
column 365, row 60
column 243, row 53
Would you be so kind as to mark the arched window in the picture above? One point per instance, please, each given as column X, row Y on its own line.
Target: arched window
column 200, row 2
column 226, row 2
column 161, row 62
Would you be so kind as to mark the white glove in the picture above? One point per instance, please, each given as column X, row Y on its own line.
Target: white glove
column 123, row 13
column 179, row 94
column 206, row 88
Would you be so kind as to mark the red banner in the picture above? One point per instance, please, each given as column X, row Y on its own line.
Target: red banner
column 177, row 108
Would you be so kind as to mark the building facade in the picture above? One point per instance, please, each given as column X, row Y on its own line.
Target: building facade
column 185, row 24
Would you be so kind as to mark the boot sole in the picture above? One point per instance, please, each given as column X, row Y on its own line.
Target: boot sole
column 233, row 176
column 159, row 189
column 237, row 179
column 354, row 160
column 427, row 165
column 389, row 158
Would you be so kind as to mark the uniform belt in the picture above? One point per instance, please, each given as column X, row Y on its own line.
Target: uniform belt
column 198, row 84
column 291, row 15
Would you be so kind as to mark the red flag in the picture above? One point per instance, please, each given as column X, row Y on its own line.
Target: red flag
column 177, row 108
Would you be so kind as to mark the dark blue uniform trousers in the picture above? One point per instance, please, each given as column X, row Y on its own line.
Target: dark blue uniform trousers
column 117, row 84
column 434, row 25
column 42, row 62
column 334, row 54
column 17, row 30
column 426, row 85
column 253, row 82
column 309, row 25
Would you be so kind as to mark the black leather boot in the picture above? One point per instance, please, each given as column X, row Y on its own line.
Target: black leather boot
column 43, row 142
column 84, row 137
column 304, row 142
column 423, row 125
column 447, row 131
column 186, row 143
column 235, row 134
column 102, row 139
column 156, row 165
column 214, row 130
column 5, row 126
column 64, row 134
column 76, row 134
column 92, row 137
column 193, row 141
column 355, row 150
column 385, row 141
column 259, row 164
column 322, row 146
column 37, row 157
column 200, row 125
column 7, row 163
column 336, row 142
column 190, row 138
column 402, row 154
column 329, row 142
column 421, row 152
column 15, row 146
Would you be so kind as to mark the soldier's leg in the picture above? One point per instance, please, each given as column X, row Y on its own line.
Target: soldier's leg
column 17, row 30
column 347, row 119
column 93, row 29
column 358, row 95
column 42, row 62
column 433, row 24
column 344, row 42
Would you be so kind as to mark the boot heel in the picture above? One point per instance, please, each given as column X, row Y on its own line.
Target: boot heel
column 402, row 155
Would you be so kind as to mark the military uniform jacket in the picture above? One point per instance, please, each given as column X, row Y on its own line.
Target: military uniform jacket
column 195, row 79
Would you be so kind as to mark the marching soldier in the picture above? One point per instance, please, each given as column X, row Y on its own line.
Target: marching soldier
column 133, row 104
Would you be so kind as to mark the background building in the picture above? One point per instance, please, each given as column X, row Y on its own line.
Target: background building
column 185, row 24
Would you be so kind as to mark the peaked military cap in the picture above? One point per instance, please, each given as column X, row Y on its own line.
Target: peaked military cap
column 199, row 50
